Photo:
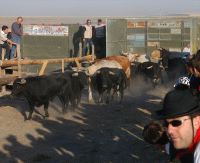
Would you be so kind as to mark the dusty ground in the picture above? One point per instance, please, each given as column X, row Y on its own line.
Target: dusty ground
column 93, row 133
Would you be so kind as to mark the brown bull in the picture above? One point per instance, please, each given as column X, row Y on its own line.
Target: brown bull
column 125, row 62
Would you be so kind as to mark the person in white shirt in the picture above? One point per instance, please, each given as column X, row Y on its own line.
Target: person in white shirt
column 187, row 48
column 4, row 41
column 88, row 36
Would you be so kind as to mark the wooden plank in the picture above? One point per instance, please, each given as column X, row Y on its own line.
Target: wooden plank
column 63, row 65
column 44, row 65
column 6, row 79
column 77, row 64
column 9, row 63
column 19, row 66
column 3, row 53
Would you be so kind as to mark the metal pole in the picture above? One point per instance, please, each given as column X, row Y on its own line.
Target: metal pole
column 80, row 49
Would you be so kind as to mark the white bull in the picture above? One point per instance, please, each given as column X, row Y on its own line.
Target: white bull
column 142, row 58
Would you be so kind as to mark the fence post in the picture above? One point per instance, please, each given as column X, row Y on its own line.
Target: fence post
column 19, row 66
column 44, row 65
column 63, row 65
column 80, row 49
column 3, row 52
column 2, row 72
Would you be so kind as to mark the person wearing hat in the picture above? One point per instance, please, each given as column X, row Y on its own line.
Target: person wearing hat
column 181, row 115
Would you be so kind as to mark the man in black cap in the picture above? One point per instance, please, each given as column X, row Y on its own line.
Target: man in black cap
column 181, row 113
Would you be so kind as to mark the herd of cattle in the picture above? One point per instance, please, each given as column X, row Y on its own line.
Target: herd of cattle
column 108, row 76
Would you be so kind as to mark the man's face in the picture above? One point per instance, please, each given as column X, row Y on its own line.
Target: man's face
column 19, row 21
column 99, row 22
column 6, row 31
column 89, row 22
column 180, row 130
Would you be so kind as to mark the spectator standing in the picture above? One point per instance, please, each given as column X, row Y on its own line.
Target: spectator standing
column 88, row 37
column 77, row 39
column 187, row 48
column 17, row 33
column 4, row 41
column 100, row 39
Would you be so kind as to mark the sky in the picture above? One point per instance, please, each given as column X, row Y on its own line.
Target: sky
column 135, row 8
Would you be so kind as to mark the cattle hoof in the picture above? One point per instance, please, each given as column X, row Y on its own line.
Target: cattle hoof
column 29, row 118
column 47, row 115
column 99, row 101
column 91, row 102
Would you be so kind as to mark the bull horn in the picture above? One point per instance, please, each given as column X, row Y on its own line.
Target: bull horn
column 22, row 81
column 74, row 69
column 111, row 73
column 149, row 67
column 137, row 55
column 87, row 73
column 75, row 74
column 123, row 53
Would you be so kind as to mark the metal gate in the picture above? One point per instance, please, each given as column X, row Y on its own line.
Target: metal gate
column 47, row 47
column 116, row 37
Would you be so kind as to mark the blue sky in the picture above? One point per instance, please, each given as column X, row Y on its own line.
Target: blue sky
column 98, row 7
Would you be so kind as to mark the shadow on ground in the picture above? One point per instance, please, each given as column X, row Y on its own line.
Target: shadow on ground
column 94, row 133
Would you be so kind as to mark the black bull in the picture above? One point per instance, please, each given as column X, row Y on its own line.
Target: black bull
column 174, row 63
column 148, row 70
column 40, row 90
column 107, row 79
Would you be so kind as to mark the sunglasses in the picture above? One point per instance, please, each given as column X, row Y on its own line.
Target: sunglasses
column 175, row 123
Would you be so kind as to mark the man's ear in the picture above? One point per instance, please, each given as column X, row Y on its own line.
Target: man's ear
column 196, row 122
column 196, row 72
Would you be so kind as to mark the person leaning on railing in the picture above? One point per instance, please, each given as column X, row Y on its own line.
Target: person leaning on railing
column 5, row 42
column 17, row 33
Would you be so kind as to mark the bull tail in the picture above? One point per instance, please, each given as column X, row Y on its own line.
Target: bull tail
column 126, row 82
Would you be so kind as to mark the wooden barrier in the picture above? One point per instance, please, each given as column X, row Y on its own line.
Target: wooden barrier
column 45, row 62
column 5, row 79
column 9, row 63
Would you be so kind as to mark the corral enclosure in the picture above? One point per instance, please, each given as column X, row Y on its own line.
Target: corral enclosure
column 94, row 133
column 140, row 35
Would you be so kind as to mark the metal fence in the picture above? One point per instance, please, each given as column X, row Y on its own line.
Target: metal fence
column 47, row 47
column 116, row 39
column 145, row 35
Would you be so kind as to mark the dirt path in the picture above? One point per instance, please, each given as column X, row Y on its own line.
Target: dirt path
column 94, row 133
